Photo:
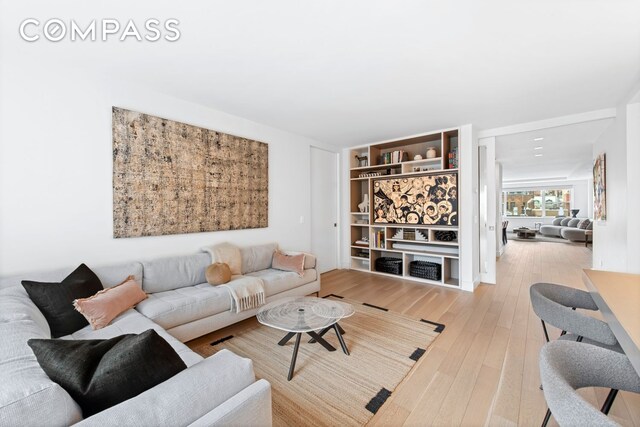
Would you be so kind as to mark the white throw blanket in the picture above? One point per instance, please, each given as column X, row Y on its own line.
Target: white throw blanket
column 227, row 253
column 246, row 292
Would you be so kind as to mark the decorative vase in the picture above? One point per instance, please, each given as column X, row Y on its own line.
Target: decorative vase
column 417, row 157
column 431, row 153
column 364, row 206
column 574, row 212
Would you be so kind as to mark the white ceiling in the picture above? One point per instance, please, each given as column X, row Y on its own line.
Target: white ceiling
column 349, row 72
column 566, row 153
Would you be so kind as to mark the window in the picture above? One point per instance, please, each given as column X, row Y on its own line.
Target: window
column 537, row 202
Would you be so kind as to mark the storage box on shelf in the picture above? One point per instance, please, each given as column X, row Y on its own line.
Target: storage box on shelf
column 426, row 270
column 434, row 250
column 389, row 265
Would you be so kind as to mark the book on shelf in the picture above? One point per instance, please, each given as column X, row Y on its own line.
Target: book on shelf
column 378, row 239
column 453, row 158
column 397, row 156
column 361, row 242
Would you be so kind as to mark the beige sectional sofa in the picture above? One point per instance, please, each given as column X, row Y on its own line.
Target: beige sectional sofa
column 181, row 306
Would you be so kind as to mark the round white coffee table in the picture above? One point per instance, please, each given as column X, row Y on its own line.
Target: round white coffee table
column 310, row 315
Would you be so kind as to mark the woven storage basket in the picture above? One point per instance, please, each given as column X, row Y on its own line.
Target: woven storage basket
column 389, row 265
column 425, row 270
column 445, row 236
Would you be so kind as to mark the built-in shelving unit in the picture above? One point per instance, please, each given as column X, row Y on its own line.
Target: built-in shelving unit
column 372, row 239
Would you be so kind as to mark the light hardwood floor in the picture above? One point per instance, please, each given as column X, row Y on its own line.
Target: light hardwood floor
column 483, row 369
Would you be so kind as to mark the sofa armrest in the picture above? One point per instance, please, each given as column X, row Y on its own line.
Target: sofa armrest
column 309, row 259
column 250, row 407
column 183, row 398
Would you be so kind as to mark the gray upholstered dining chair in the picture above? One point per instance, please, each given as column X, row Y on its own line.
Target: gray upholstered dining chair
column 556, row 305
column 567, row 366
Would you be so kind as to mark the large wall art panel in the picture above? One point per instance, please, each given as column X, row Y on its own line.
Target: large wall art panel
column 173, row 178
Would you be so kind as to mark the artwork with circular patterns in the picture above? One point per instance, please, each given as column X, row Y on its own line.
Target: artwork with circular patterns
column 218, row 273
column 419, row 200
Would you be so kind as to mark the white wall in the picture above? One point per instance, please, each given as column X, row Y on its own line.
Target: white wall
column 498, row 207
column 489, row 224
column 615, row 245
column 610, row 236
column 56, row 171
column 469, row 209
column 582, row 199
column 345, row 216
column 633, row 185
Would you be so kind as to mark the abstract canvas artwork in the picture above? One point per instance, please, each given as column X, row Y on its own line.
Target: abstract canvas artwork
column 420, row 200
column 600, row 189
column 172, row 178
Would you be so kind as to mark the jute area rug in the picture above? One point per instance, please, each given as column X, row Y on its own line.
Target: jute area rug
column 331, row 388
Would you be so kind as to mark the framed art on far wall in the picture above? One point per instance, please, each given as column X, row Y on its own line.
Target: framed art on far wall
column 420, row 200
column 600, row 188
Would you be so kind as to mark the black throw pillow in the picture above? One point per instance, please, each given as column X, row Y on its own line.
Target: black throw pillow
column 55, row 300
column 99, row 374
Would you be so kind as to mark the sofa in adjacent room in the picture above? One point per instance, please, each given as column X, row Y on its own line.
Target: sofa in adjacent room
column 181, row 305
column 572, row 229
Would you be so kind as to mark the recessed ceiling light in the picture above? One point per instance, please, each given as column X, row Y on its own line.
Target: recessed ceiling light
column 537, row 148
column 538, row 139
column 539, row 155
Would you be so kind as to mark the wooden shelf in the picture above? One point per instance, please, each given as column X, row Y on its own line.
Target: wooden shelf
column 393, row 175
column 444, row 253
column 409, row 241
column 432, row 160
column 391, row 165
column 413, row 278
column 434, row 253
column 374, row 167
column 419, row 226
column 452, row 282
column 451, row 243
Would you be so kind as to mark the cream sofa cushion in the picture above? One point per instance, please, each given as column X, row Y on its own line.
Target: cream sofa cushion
column 165, row 274
column 179, row 306
column 204, row 386
column 258, row 257
column 132, row 322
column 110, row 275
column 276, row 281
column 26, row 392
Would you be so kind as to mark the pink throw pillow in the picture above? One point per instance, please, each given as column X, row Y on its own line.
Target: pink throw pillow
column 101, row 308
column 282, row 261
